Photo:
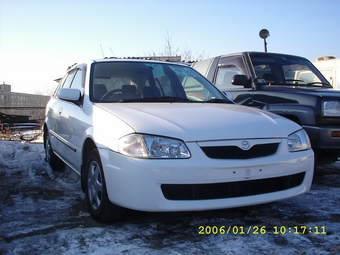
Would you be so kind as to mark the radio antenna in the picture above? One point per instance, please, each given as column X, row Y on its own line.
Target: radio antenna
column 111, row 52
column 102, row 51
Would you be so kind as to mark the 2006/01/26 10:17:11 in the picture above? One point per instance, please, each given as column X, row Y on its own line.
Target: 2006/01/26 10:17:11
column 261, row 230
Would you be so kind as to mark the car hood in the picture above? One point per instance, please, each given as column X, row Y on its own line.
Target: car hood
column 317, row 91
column 201, row 121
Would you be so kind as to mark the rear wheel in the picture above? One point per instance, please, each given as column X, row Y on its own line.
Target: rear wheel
column 50, row 157
column 100, row 207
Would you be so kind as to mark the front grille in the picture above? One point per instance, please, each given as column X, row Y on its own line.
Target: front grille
column 230, row 189
column 234, row 152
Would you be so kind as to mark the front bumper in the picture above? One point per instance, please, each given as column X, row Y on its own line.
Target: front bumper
column 139, row 183
column 324, row 137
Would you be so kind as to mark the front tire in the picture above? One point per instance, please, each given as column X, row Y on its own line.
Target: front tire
column 99, row 205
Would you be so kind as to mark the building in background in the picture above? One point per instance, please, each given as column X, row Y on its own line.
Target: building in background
column 27, row 106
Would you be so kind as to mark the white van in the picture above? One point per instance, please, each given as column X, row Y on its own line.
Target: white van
column 330, row 68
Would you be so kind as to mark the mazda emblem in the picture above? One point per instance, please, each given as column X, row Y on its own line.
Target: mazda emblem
column 245, row 145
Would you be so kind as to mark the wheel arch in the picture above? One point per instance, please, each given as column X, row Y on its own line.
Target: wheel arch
column 88, row 145
column 292, row 118
column 301, row 114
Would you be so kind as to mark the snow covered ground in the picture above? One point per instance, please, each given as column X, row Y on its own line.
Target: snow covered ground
column 44, row 212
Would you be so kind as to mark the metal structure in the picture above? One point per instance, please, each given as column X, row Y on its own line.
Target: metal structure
column 264, row 34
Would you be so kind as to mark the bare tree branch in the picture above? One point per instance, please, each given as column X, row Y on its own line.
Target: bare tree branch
column 169, row 50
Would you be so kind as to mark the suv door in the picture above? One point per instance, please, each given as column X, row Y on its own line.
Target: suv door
column 226, row 69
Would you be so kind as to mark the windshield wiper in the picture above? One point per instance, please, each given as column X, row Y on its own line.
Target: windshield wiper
column 156, row 99
column 283, row 81
column 218, row 100
column 320, row 83
column 316, row 83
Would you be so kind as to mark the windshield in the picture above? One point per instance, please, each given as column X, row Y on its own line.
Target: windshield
column 286, row 70
column 128, row 81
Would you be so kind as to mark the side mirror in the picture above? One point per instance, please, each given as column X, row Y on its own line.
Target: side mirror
column 71, row 95
column 241, row 80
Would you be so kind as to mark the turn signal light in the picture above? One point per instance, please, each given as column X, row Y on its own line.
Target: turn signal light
column 336, row 134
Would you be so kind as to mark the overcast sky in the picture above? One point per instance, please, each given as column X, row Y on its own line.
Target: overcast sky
column 40, row 38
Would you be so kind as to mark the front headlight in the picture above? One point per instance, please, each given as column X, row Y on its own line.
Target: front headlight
column 298, row 141
column 148, row 146
column 331, row 108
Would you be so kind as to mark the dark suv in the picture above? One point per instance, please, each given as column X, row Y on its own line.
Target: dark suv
column 283, row 84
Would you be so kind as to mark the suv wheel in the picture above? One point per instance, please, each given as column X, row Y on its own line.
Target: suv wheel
column 100, row 207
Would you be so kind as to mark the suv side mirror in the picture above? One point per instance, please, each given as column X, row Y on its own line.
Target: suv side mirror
column 241, row 79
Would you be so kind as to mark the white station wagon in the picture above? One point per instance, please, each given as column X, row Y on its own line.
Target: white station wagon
column 157, row 136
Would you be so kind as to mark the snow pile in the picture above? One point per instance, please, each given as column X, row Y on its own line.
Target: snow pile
column 25, row 156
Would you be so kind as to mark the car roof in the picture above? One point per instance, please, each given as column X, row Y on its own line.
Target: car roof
column 259, row 53
column 130, row 60
column 137, row 60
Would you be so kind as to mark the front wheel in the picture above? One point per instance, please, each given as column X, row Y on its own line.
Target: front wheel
column 325, row 156
column 100, row 207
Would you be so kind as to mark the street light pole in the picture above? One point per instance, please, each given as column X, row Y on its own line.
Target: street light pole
column 264, row 33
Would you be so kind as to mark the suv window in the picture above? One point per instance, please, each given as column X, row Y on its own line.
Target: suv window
column 284, row 70
column 227, row 68
column 225, row 75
